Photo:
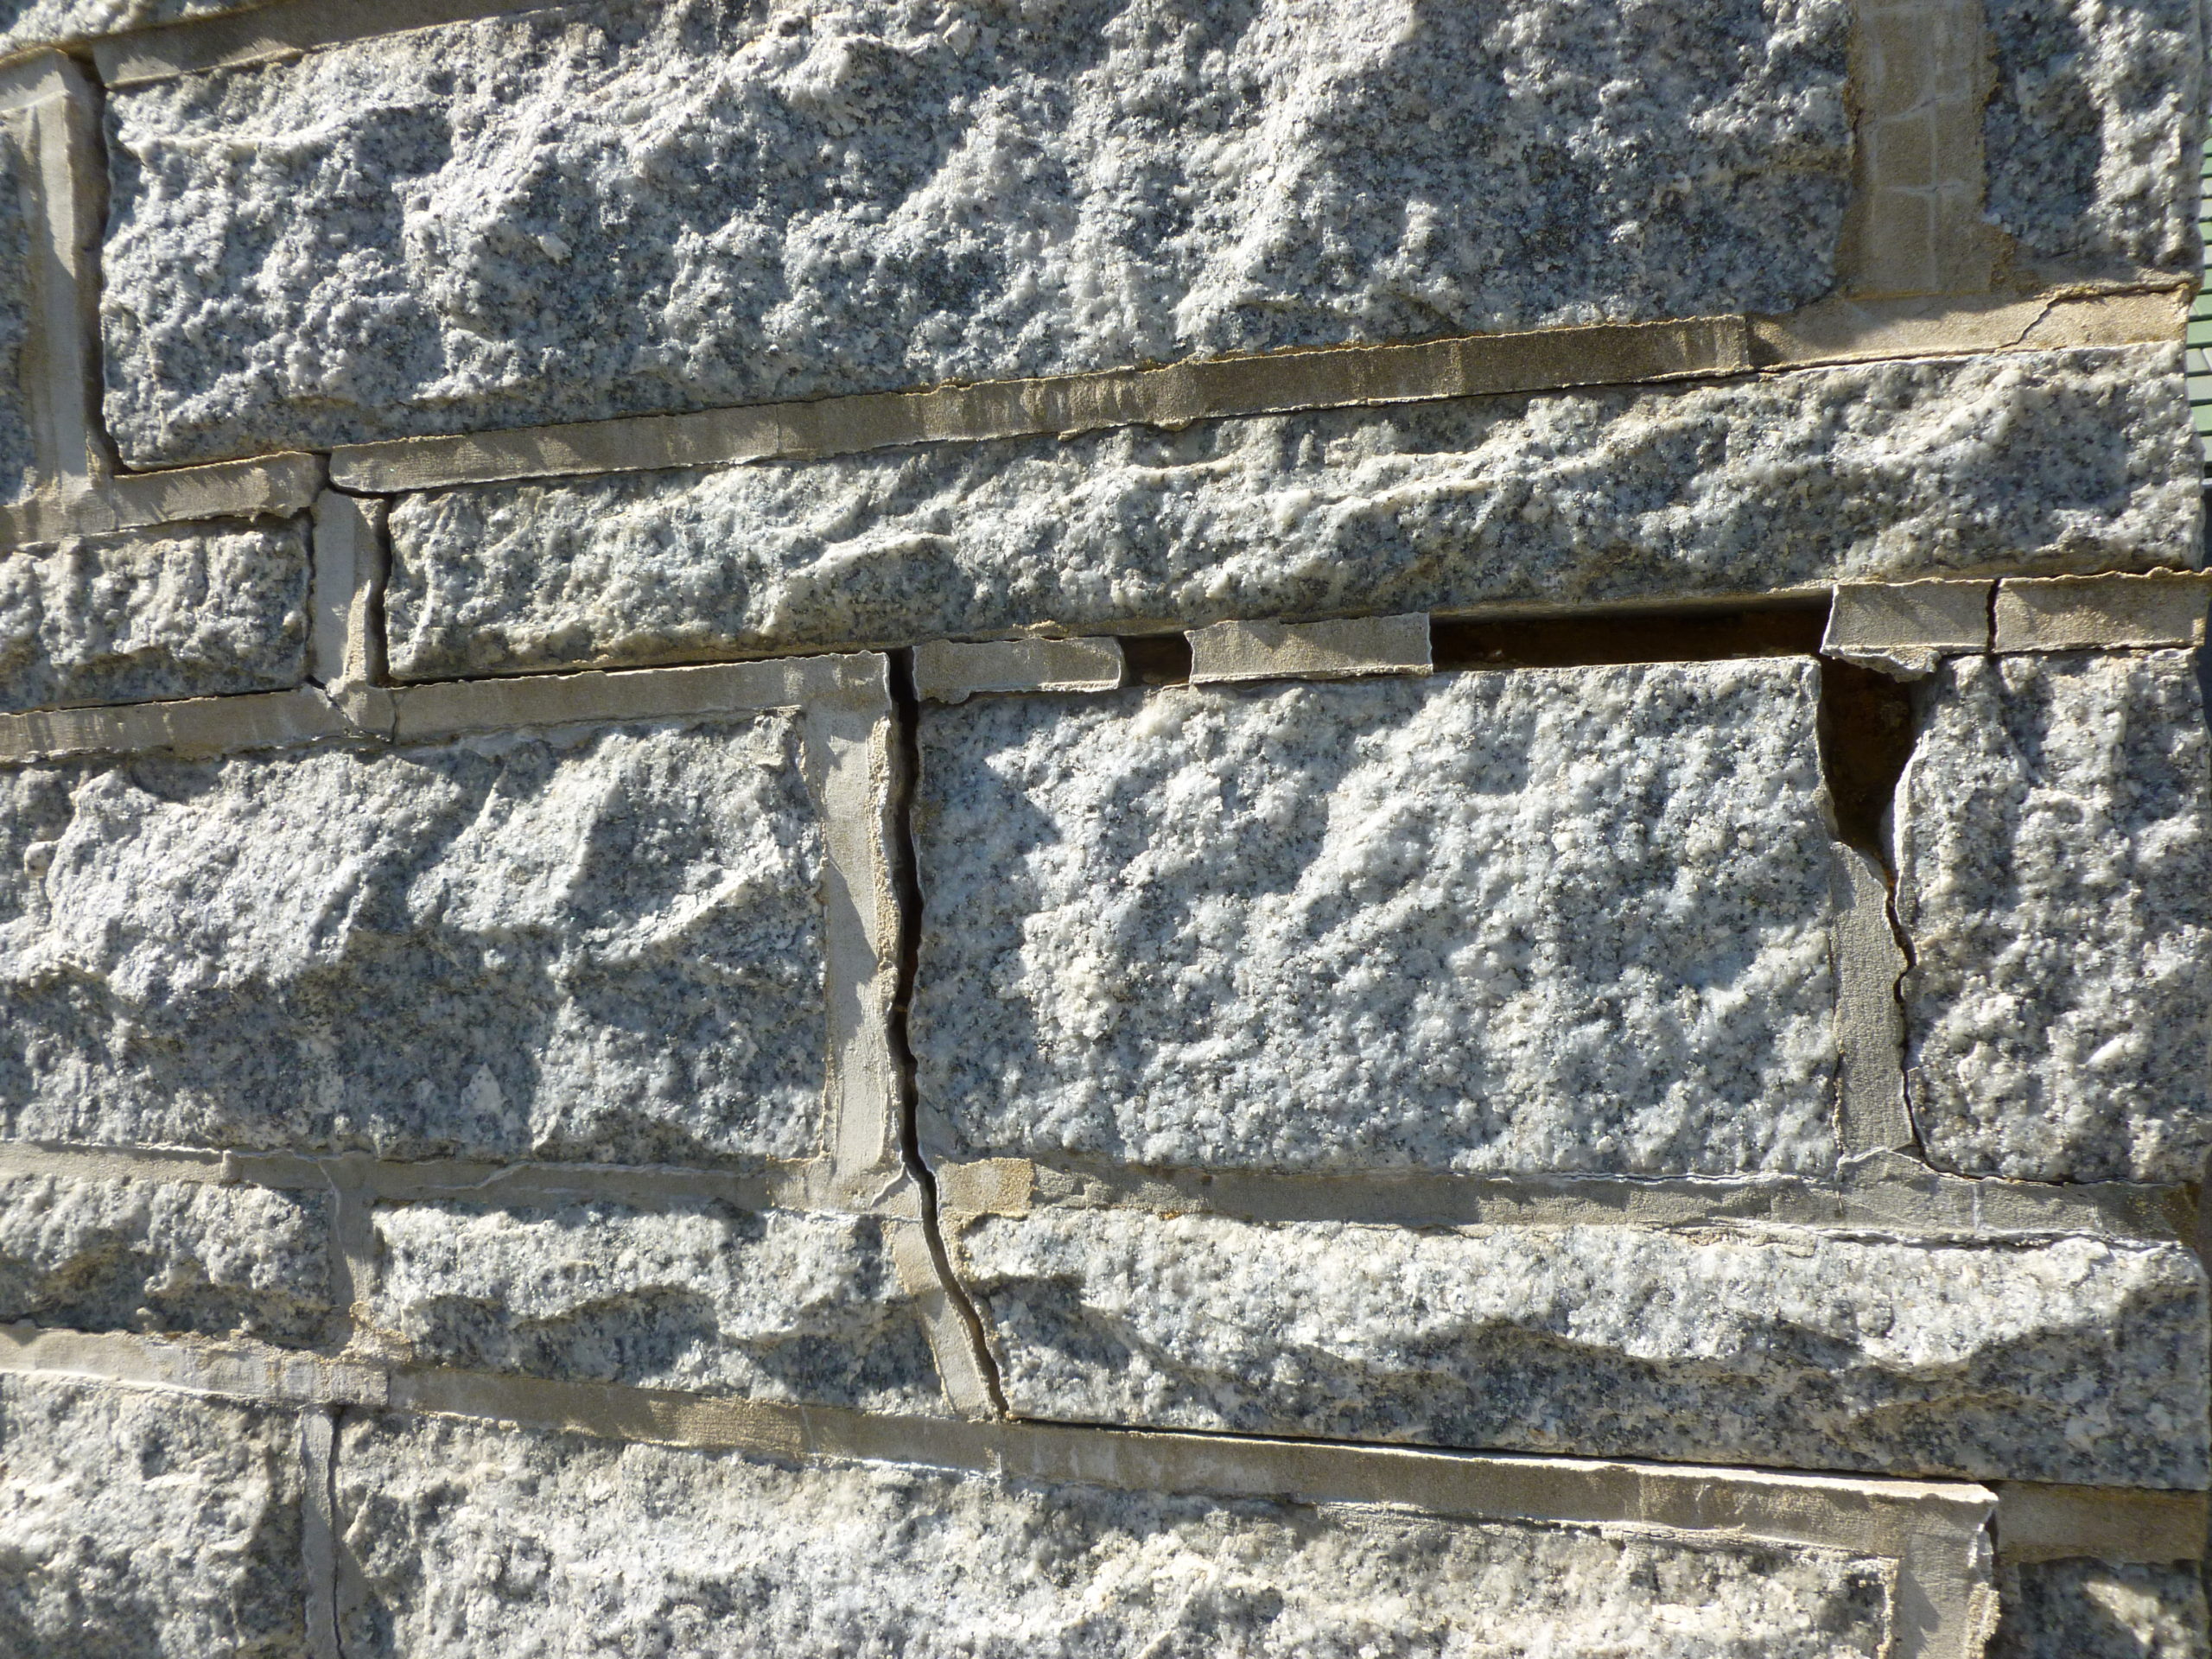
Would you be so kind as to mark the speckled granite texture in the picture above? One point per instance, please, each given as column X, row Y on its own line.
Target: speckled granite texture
column 2101, row 1610
column 2054, row 851
column 2076, row 1359
column 138, row 1525
column 775, row 1305
column 856, row 194
column 594, row 943
column 1536, row 920
column 641, row 1549
column 33, row 22
column 18, row 453
column 187, row 612
column 2033, row 462
column 164, row 1256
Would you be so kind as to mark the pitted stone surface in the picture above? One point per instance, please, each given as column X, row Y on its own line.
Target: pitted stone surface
column 2076, row 1359
column 2032, row 462
column 1540, row 919
column 721, row 1556
column 170, row 614
column 164, row 1256
column 2054, row 854
column 35, row 22
column 2101, row 1610
column 735, row 205
column 596, row 943
column 152, row 1525
column 776, row 1304
column 18, row 450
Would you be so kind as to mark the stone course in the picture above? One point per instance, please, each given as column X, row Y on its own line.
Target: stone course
column 2082, row 1608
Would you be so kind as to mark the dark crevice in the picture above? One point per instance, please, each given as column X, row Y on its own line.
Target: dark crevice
column 1630, row 637
column 1866, row 737
column 1157, row 659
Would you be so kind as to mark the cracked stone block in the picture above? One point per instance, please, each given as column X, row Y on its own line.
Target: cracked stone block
column 2054, row 857
column 597, row 942
column 2049, row 462
column 775, row 1305
column 101, row 1255
column 854, row 195
column 18, row 449
column 2068, row 1359
column 2101, row 1610
column 719, row 1555
column 187, row 612
column 136, row 1524
column 1496, row 921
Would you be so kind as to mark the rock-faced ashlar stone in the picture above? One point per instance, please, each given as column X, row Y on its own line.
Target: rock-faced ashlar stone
column 184, row 612
column 2054, row 856
column 1500, row 922
column 775, row 1305
column 2046, row 462
column 471, row 1541
column 140, row 1524
column 587, row 942
column 2073, row 1359
column 845, row 195
column 2080, row 1609
column 35, row 22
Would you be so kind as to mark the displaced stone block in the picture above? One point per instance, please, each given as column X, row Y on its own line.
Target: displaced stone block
column 587, row 942
column 344, row 247
column 2073, row 1359
column 1499, row 922
column 98, row 1254
column 2082, row 461
column 140, row 1522
column 2054, row 857
column 2073, row 1609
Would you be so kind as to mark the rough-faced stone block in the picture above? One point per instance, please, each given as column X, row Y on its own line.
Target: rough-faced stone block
column 1531, row 920
column 2054, row 854
column 2081, row 461
column 98, row 1254
column 2076, row 1359
column 855, row 197
column 36, row 23
column 2072, row 1609
column 145, row 1523
column 591, row 943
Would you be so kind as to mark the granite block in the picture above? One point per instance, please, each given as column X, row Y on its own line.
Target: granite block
column 184, row 612
column 602, row 209
column 775, row 1305
column 102, row 1255
column 2101, row 1610
column 25, row 23
column 587, row 943
column 2070, row 1359
column 474, row 1541
column 18, row 178
column 2054, row 858
column 145, row 1525
column 1501, row 922
column 2031, row 462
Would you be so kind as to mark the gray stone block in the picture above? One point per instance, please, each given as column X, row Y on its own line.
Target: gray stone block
column 98, row 1254
column 2073, row 1609
column 18, row 447
column 26, row 23
column 2073, row 1359
column 591, row 943
column 853, row 198
column 2054, row 856
column 142, row 1525
column 1502, row 922
column 2088, row 461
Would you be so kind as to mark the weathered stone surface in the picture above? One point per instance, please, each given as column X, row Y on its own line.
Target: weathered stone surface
column 187, row 613
column 853, row 195
column 596, row 943
column 2031, row 462
column 1540, row 919
column 35, row 22
column 141, row 1525
column 776, row 1304
column 2076, row 1360
column 2054, row 855
column 18, row 451
column 2101, row 1610
column 164, row 1256
column 715, row 1555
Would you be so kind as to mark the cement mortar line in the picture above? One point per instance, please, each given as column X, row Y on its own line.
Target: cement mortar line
column 319, row 1531
column 1871, row 1113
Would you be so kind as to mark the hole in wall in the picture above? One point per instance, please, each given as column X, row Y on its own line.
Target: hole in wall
column 1650, row 637
column 1866, row 736
column 1157, row 659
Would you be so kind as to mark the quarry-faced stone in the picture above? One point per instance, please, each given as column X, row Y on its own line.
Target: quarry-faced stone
column 2100, row 1609
column 35, row 22
column 2054, row 855
column 735, row 206
column 586, row 942
column 190, row 612
column 147, row 1524
column 716, row 1554
column 776, row 1304
column 1527, row 920
column 18, row 450
column 2032, row 462
column 96, row 1255
column 2073, row 1359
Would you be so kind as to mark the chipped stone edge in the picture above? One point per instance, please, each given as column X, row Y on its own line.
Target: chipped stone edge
column 1869, row 1020
column 2045, row 613
column 952, row 671
column 1902, row 629
column 1228, row 652
column 346, row 643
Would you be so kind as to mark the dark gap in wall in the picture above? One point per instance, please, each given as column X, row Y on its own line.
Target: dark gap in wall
column 1866, row 736
column 1157, row 659
column 1648, row 636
